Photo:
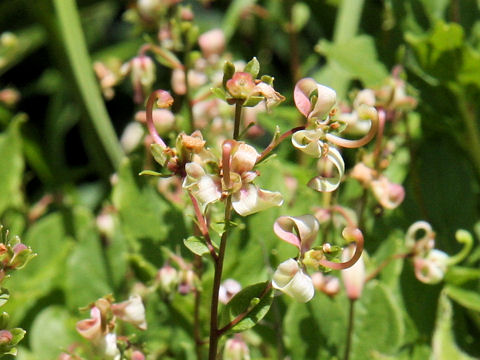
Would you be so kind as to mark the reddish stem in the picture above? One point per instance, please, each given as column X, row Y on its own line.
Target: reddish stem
column 202, row 226
column 358, row 237
column 275, row 142
column 356, row 143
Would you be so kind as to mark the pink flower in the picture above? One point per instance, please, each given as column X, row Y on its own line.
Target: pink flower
column 91, row 329
column 131, row 311
column 212, row 43
column 354, row 276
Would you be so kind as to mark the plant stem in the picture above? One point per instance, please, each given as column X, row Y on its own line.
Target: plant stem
column 351, row 314
column 188, row 95
column 277, row 141
column 238, row 118
column 214, row 333
column 196, row 314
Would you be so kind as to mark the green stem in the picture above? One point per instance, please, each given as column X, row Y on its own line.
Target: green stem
column 472, row 133
column 238, row 118
column 74, row 42
column 198, row 266
column 214, row 333
column 188, row 98
column 351, row 315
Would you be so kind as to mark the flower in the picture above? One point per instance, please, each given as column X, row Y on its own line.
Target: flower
column 212, row 43
column 247, row 198
column 108, row 347
column 305, row 226
column 241, row 85
column 313, row 100
column 290, row 279
column 432, row 268
column 236, row 349
column 131, row 311
column 91, row 329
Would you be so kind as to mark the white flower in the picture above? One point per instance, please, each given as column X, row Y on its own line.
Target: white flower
column 290, row 279
column 131, row 311
column 108, row 347
column 432, row 268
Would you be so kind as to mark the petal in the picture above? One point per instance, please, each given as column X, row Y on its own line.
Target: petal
column 389, row 195
column 309, row 142
column 353, row 277
column 207, row 191
column 301, row 95
column 327, row 98
column 250, row 199
column 306, row 226
column 291, row 280
column 284, row 273
column 243, row 158
column 329, row 184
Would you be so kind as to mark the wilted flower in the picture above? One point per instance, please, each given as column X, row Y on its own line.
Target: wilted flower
column 131, row 311
column 290, row 279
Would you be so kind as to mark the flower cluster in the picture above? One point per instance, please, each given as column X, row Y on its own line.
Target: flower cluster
column 99, row 329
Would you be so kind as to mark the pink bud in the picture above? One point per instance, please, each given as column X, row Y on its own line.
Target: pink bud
column 212, row 43
column 362, row 173
column 353, row 277
column 236, row 349
column 19, row 247
column 9, row 96
column 167, row 277
column 389, row 195
column 137, row 355
column 5, row 337
column 329, row 285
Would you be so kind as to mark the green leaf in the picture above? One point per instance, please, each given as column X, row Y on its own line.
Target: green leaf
column 196, row 245
column 443, row 342
column 253, row 301
column 74, row 43
column 219, row 93
column 300, row 15
column 252, row 101
column 11, row 171
column 4, row 296
column 467, row 298
column 378, row 323
column 140, row 208
column 52, row 330
column 228, row 71
column 458, row 275
column 4, row 320
column 355, row 57
column 233, row 15
column 85, row 275
column 17, row 335
column 153, row 173
column 252, row 67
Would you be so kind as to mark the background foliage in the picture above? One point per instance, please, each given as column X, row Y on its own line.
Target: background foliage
column 61, row 141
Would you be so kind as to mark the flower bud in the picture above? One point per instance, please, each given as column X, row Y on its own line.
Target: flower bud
column 187, row 282
column 131, row 311
column 137, row 355
column 106, row 223
column 132, row 137
column 236, row 349
column 143, row 75
column 353, row 277
column 431, row 269
column 329, row 285
column 291, row 280
column 5, row 337
column 228, row 289
column 212, row 43
column 167, row 278
column 9, row 96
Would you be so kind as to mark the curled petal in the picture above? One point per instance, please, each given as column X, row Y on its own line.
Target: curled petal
column 329, row 184
column 431, row 269
column 424, row 243
column 291, row 280
column 306, row 226
column 91, row 329
column 302, row 93
column 309, row 142
column 131, row 311
column 365, row 112
column 250, row 199
column 272, row 97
